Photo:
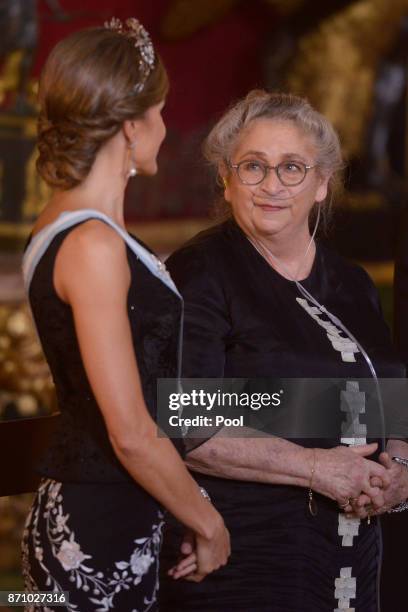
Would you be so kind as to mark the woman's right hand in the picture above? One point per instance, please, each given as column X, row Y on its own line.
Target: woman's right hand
column 212, row 552
column 343, row 473
column 203, row 554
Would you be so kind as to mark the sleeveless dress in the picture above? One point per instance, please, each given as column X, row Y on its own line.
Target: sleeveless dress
column 92, row 530
column 245, row 320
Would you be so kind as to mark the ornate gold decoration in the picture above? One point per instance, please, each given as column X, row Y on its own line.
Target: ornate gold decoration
column 336, row 65
column 21, row 131
column 26, row 385
column 10, row 79
column 38, row 193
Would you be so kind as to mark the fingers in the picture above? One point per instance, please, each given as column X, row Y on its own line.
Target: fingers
column 364, row 449
column 386, row 460
column 363, row 504
column 379, row 471
column 361, row 501
column 188, row 563
column 377, row 501
column 375, row 481
column 360, row 513
column 211, row 554
column 199, row 576
column 355, row 503
column 186, row 571
column 376, row 496
column 184, row 567
column 187, row 545
column 375, row 493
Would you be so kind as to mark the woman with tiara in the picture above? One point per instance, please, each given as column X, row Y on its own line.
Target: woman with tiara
column 108, row 316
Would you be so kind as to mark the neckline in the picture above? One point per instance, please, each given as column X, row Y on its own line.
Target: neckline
column 42, row 239
column 256, row 254
column 42, row 231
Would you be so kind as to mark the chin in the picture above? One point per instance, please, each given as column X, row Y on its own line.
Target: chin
column 268, row 225
column 268, row 228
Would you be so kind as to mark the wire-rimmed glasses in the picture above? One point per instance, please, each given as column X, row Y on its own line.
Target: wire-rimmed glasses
column 290, row 173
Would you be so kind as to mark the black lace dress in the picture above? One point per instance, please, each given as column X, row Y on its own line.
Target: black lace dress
column 92, row 530
column 243, row 319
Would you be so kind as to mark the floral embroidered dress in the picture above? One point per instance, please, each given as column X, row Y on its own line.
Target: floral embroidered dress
column 92, row 530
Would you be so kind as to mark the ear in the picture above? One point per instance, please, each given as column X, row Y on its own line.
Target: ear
column 129, row 129
column 322, row 189
column 224, row 175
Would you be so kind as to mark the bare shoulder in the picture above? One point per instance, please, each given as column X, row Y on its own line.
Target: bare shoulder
column 92, row 255
column 93, row 243
column 95, row 237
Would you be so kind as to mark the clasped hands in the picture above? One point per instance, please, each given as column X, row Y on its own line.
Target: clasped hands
column 385, row 486
column 344, row 474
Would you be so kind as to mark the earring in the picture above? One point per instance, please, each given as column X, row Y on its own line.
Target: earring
column 132, row 170
column 224, row 180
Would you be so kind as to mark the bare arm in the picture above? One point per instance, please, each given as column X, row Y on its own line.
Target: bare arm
column 270, row 460
column 397, row 448
column 340, row 472
column 92, row 275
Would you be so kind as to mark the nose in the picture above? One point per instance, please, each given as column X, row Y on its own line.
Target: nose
column 271, row 183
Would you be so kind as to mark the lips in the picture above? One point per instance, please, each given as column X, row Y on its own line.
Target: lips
column 267, row 206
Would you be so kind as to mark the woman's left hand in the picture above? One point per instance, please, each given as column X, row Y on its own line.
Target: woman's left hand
column 396, row 492
column 188, row 563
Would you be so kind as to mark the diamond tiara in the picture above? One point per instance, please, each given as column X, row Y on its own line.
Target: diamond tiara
column 133, row 29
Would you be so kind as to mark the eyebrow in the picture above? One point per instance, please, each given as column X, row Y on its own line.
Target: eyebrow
column 285, row 156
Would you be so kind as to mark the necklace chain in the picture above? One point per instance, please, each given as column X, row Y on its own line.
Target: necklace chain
column 258, row 244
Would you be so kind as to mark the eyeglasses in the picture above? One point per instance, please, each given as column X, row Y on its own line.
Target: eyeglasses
column 290, row 173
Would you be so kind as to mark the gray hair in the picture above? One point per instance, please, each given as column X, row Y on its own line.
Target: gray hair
column 259, row 104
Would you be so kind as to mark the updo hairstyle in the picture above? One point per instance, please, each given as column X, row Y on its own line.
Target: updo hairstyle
column 88, row 88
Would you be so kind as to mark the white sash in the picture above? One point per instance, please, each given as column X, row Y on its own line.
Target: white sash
column 41, row 241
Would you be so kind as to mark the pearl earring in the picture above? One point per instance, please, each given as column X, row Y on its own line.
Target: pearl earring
column 132, row 170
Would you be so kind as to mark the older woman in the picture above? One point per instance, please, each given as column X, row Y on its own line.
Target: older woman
column 254, row 287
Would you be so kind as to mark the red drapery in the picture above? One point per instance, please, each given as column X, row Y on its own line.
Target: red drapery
column 207, row 71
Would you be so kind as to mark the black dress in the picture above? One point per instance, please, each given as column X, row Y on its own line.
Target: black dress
column 394, row 594
column 243, row 319
column 92, row 530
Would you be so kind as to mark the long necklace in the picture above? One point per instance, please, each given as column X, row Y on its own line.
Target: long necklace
column 266, row 252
